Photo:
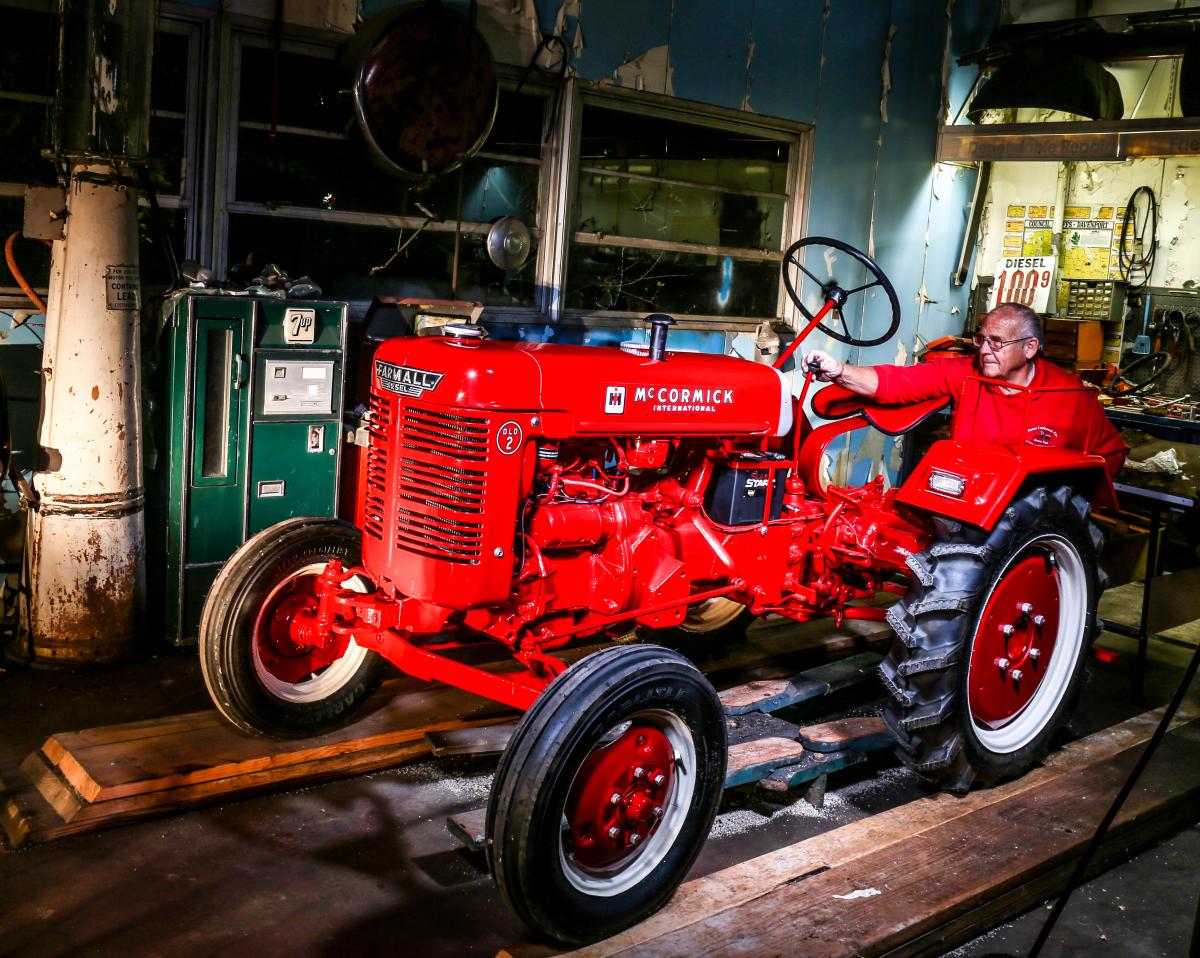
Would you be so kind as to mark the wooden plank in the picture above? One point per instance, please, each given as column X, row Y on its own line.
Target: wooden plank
column 211, row 752
column 860, row 734
column 881, row 901
column 136, row 770
column 51, row 786
column 479, row 741
column 770, row 695
column 847, row 672
column 26, row 817
column 470, row 828
column 758, row 876
column 750, row 761
column 812, row 766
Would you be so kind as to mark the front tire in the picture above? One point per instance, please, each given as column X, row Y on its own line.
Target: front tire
column 638, row 724
column 992, row 639
column 258, row 678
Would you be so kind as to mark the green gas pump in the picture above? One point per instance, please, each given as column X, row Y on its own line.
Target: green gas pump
column 248, row 413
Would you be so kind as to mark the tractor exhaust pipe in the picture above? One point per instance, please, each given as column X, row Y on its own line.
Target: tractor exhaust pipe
column 659, row 324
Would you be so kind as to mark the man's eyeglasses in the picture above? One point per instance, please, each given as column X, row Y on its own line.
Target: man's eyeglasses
column 996, row 343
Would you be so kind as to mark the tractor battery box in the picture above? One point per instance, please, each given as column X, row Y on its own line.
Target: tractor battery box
column 740, row 486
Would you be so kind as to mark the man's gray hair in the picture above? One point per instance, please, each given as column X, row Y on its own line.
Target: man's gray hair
column 1031, row 322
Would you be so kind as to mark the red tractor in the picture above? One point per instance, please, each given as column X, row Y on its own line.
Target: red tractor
column 536, row 494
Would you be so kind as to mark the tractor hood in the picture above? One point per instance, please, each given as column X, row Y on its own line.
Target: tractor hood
column 590, row 390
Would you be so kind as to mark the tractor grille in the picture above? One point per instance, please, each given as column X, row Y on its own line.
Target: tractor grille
column 442, row 470
column 377, row 460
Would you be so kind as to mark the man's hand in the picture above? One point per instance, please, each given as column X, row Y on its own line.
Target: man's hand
column 862, row 380
column 825, row 368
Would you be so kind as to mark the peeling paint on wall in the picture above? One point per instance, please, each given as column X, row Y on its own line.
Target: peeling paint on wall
column 885, row 74
column 511, row 28
column 649, row 71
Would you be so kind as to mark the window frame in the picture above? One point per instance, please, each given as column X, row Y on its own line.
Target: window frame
column 581, row 94
column 243, row 35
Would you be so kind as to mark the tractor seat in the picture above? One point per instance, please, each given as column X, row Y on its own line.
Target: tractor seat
column 851, row 411
column 838, row 402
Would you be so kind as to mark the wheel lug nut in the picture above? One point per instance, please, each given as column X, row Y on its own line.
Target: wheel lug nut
column 658, row 810
column 614, row 832
column 1015, row 675
column 639, row 772
column 1039, row 620
column 1008, row 630
column 1034, row 653
column 614, row 798
column 659, row 778
column 1002, row 663
column 634, row 838
column 1026, row 608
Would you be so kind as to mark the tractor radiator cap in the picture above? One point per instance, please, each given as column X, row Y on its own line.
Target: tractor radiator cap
column 463, row 331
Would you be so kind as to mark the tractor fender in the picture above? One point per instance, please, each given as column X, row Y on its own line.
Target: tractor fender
column 990, row 475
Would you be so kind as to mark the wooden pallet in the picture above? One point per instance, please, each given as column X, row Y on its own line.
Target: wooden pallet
column 922, row 878
column 81, row 781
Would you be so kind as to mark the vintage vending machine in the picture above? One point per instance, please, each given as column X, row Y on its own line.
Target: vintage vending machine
column 247, row 416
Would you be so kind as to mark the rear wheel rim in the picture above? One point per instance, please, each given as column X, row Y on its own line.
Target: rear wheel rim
column 712, row 614
column 1028, row 641
column 627, row 804
column 288, row 670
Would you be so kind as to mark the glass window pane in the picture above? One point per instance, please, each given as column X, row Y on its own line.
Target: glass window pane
column 308, row 90
column 24, row 133
column 339, row 256
column 642, row 281
column 638, row 143
column 153, row 263
column 168, row 143
column 215, row 442
column 518, row 127
column 617, row 206
column 25, row 45
column 168, row 89
column 314, row 172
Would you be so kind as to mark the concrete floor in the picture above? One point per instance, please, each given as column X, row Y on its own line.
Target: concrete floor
column 365, row 866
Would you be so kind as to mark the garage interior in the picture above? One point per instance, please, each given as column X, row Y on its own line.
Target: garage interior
column 220, row 216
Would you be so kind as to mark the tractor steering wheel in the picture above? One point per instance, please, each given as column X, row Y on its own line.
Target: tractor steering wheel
column 861, row 274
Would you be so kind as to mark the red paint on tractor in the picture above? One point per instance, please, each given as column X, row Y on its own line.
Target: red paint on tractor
column 1015, row 641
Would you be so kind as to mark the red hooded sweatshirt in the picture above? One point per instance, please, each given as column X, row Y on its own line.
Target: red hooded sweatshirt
column 1056, row 409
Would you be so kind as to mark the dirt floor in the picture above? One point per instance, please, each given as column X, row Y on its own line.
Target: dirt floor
column 365, row 866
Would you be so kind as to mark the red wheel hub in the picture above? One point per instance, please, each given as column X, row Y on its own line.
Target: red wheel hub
column 277, row 638
column 1015, row 641
column 618, row 797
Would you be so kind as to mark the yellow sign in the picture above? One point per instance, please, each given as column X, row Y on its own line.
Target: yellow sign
column 1038, row 212
column 1078, row 212
column 1016, row 212
column 1104, row 213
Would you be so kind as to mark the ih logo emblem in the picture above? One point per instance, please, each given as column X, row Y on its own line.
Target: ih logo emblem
column 614, row 400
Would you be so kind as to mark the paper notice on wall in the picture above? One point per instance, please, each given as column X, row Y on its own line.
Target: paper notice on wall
column 122, row 287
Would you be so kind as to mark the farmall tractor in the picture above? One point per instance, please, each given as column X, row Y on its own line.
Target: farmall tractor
column 535, row 495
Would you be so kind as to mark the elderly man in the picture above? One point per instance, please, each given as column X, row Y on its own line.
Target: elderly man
column 1004, row 393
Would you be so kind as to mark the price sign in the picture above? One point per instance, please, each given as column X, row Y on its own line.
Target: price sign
column 1023, row 279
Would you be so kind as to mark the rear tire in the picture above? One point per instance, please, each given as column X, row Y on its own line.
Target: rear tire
column 992, row 639
column 257, row 678
column 570, row 861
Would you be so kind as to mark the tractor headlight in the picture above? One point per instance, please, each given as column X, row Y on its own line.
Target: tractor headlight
column 947, row 483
